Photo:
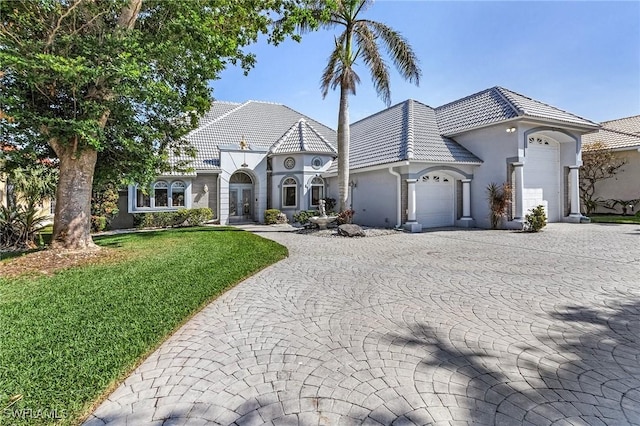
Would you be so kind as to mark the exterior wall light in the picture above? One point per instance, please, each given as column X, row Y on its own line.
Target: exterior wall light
column 205, row 188
column 511, row 130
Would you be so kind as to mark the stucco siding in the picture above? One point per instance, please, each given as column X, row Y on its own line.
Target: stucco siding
column 493, row 146
column 374, row 198
column 626, row 183
column 202, row 198
column 124, row 219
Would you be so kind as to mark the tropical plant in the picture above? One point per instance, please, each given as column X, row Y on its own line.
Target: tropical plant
column 598, row 164
column 365, row 40
column 345, row 216
column 535, row 220
column 21, row 219
column 499, row 197
column 112, row 86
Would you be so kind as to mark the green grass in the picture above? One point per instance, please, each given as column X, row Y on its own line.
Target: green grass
column 67, row 338
column 611, row 218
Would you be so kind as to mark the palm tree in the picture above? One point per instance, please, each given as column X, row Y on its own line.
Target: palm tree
column 360, row 39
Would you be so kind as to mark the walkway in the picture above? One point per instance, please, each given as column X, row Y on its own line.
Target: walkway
column 445, row 327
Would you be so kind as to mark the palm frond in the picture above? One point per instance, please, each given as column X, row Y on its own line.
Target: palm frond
column 399, row 49
column 330, row 72
column 368, row 48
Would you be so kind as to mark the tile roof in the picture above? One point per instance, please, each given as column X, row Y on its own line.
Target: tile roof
column 616, row 134
column 498, row 104
column 629, row 125
column 260, row 124
column 406, row 131
column 302, row 137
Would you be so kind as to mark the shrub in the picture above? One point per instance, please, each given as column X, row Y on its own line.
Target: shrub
column 345, row 217
column 271, row 216
column 98, row 223
column 104, row 203
column 303, row 216
column 330, row 204
column 182, row 217
column 274, row 216
column 536, row 220
column 499, row 201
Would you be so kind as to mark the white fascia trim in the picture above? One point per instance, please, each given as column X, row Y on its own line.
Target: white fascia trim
column 368, row 169
column 565, row 125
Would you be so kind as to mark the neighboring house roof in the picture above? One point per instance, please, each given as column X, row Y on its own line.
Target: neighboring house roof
column 498, row 104
column 406, row 131
column 260, row 124
column 616, row 134
column 302, row 137
column 629, row 125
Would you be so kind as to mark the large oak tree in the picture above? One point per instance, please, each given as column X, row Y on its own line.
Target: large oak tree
column 110, row 86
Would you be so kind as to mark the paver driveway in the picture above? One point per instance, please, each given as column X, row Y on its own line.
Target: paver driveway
column 445, row 327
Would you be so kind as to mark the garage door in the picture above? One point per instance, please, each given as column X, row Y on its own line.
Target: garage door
column 542, row 176
column 435, row 200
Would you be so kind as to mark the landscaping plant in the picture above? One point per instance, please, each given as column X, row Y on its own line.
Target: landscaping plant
column 535, row 220
column 499, row 201
column 274, row 216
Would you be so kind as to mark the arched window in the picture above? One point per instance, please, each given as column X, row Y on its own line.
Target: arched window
column 161, row 194
column 317, row 191
column 142, row 200
column 289, row 192
column 177, row 193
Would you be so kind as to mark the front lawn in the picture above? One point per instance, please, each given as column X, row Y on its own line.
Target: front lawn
column 613, row 218
column 68, row 337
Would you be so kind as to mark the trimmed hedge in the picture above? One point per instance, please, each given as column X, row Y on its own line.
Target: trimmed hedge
column 180, row 218
column 302, row 217
column 274, row 216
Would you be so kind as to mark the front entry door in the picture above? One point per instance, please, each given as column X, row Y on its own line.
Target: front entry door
column 241, row 203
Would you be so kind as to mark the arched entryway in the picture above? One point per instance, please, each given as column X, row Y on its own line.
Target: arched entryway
column 542, row 176
column 241, row 206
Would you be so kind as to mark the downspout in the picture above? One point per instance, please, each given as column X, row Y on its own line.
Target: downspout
column 398, row 198
column 218, row 200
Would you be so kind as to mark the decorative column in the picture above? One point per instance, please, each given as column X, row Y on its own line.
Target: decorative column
column 466, row 199
column 411, row 224
column 574, row 191
column 518, row 188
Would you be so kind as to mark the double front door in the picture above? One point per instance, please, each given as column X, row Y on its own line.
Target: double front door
column 241, row 203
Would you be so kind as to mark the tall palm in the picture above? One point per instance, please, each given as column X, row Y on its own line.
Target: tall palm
column 366, row 40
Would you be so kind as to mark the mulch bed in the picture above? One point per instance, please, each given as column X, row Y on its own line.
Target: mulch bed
column 46, row 262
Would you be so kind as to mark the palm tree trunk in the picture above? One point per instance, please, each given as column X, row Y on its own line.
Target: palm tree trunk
column 343, row 147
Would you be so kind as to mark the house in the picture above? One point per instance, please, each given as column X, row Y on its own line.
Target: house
column 250, row 157
column 622, row 137
column 411, row 165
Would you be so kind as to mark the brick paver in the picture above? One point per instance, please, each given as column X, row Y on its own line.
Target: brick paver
column 443, row 327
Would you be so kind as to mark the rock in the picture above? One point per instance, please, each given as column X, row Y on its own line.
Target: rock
column 350, row 230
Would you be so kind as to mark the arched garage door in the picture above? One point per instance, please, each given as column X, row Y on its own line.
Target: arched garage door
column 542, row 176
column 435, row 200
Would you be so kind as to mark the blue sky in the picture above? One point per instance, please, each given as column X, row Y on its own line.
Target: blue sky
column 580, row 56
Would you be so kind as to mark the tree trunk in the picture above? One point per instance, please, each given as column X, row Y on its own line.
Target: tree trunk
column 72, row 221
column 343, row 148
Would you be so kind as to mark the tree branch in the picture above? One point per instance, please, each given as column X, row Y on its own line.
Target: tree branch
column 59, row 23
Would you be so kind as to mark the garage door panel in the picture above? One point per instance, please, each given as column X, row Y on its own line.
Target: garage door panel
column 435, row 200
